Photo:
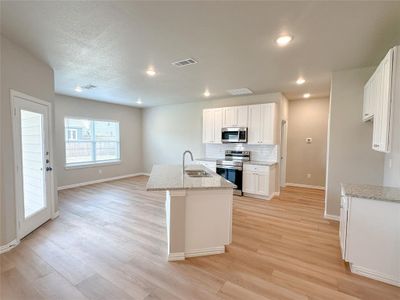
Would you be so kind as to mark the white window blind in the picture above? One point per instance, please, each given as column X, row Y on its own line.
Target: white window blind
column 91, row 141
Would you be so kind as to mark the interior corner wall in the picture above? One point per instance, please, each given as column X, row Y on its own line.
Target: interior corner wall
column 130, row 122
column 308, row 118
column 24, row 73
column 350, row 157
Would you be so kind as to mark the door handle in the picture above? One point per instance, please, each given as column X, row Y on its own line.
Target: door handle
column 49, row 169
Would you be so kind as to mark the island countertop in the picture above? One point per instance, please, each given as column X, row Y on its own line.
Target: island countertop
column 170, row 177
column 374, row 192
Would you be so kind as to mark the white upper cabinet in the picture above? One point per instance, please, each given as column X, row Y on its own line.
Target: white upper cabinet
column 262, row 124
column 378, row 102
column 368, row 107
column 212, row 125
column 208, row 126
column 235, row 116
column 218, row 119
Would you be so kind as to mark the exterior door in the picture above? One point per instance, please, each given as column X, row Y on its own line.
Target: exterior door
column 33, row 181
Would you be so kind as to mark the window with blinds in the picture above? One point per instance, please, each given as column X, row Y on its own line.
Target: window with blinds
column 91, row 141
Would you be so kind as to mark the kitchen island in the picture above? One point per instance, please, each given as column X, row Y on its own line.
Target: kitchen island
column 198, row 209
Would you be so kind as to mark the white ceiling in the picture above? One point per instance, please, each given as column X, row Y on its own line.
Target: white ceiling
column 111, row 44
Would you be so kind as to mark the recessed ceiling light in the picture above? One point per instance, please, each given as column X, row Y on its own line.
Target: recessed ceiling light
column 150, row 72
column 139, row 101
column 306, row 95
column 78, row 89
column 207, row 93
column 300, row 81
column 284, row 40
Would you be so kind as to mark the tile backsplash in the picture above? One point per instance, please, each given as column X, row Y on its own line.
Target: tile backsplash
column 258, row 152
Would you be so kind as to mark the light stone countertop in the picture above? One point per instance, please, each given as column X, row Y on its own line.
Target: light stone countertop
column 375, row 192
column 208, row 159
column 261, row 163
column 169, row 177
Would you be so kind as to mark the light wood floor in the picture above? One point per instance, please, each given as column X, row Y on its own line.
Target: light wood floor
column 110, row 243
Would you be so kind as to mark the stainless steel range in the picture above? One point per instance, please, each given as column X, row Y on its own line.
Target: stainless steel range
column 231, row 168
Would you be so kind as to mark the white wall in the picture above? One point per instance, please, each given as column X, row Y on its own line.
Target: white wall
column 130, row 119
column 169, row 130
column 307, row 118
column 22, row 72
column 350, row 155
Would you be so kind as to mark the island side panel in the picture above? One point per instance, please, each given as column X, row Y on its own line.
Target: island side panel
column 208, row 221
column 175, row 218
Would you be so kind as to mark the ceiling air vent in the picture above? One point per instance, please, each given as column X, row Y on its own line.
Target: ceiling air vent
column 242, row 91
column 184, row 63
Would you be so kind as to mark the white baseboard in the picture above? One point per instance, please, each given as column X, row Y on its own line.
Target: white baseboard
column 197, row 252
column 205, row 251
column 56, row 215
column 259, row 196
column 7, row 247
column 374, row 275
column 331, row 217
column 176, row 256
column 70, row 186
column 317, row 187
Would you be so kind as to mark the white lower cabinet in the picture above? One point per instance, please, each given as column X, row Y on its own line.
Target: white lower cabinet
column 259, row 181
column 370, row 238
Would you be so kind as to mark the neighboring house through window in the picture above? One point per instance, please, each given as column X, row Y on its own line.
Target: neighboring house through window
column 91, row 141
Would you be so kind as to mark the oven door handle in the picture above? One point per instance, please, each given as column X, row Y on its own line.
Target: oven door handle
column 229, row 167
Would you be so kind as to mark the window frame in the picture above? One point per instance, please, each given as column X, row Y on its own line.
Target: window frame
column 94, row 163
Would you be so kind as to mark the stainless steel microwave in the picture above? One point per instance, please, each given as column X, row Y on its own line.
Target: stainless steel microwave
column 234, row 135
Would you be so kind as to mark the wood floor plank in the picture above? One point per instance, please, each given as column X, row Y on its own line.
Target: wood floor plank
column 110, row 243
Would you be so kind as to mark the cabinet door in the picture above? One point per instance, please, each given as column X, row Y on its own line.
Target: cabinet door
column 383, row 99
column 254, row 124
column 208, row 126
column 218, row 119
column 368, row 107
column 230, row 117
column 249, row 182
column 242, row 114
column 268, row 120
column 262, row 184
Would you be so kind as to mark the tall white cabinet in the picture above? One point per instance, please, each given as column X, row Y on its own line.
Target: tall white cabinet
column 212, row 125
column 378, row 94
column 262, row 124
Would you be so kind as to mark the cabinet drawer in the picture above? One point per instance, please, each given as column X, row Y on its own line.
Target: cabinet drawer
column 256, row 168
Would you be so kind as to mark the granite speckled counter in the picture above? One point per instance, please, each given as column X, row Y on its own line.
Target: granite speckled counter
column 169, row 177
column 261, row 163
column 374, row 192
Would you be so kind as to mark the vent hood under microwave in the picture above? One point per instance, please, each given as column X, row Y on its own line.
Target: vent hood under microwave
column 234, row 135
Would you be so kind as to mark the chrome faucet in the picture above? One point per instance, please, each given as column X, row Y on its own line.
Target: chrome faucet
column 183, row 160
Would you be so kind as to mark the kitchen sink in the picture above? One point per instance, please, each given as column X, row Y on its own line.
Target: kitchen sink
column 197, row 173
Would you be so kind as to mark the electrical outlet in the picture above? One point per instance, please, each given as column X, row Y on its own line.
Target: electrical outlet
column 100, row 171
column 308, row 175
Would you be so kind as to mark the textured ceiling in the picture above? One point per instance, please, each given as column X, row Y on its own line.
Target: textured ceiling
column 110, row 44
